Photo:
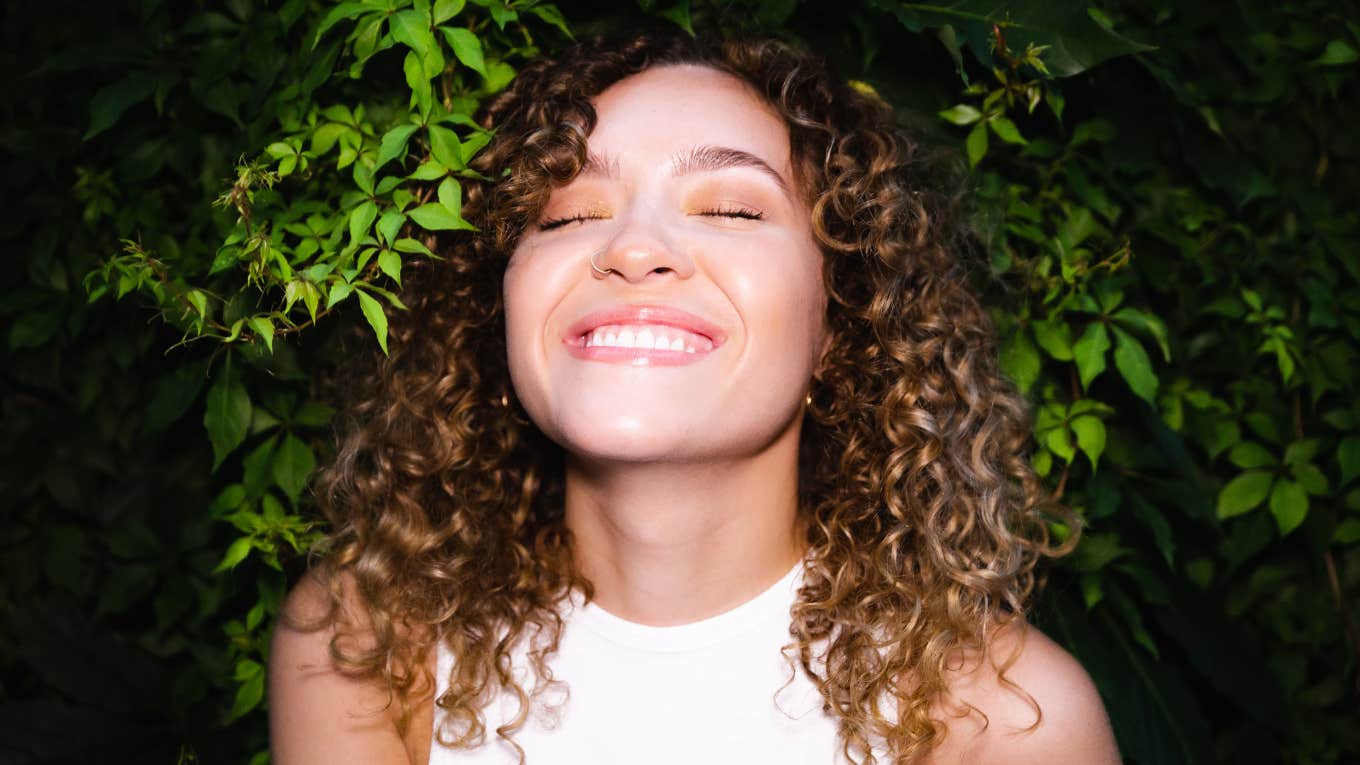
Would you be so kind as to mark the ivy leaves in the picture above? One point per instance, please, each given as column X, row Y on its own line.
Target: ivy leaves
column 1283, row 484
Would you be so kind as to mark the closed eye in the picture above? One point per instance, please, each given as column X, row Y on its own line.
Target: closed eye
column 744, row 213
column 549, row 225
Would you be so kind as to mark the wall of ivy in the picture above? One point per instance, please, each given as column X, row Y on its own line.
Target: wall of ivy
column 209, row 205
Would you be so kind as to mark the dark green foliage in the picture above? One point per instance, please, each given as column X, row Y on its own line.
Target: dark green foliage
column 206, row 199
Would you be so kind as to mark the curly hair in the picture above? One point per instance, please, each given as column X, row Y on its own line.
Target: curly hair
column 924, row 517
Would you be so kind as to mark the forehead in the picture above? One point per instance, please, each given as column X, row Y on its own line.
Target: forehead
column 667, row 109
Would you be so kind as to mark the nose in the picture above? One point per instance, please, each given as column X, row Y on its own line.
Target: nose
column 637, row 250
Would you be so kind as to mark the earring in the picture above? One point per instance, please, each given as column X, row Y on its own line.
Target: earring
column 601, row 272
column 505, row 401
column 807, row 400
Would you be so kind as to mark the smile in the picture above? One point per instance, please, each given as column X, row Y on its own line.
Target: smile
column 653, row 337
column 643, row 335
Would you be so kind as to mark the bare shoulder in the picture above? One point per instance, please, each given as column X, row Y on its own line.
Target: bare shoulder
column 317, row 714
column 1069, row 726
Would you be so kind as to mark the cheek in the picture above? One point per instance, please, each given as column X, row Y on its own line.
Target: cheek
column 783, row 297
column 528, row 292
column 792, row 296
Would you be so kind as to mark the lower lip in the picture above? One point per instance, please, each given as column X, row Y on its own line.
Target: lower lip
column 643, row 357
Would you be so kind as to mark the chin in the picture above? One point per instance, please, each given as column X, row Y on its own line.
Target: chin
column 623, row 438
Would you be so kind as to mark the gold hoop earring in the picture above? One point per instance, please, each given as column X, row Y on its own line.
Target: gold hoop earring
column 600, row 272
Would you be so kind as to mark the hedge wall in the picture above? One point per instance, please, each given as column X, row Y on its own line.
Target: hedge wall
column 210, row 201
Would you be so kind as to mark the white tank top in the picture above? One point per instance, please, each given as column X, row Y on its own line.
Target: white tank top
column 702, row 692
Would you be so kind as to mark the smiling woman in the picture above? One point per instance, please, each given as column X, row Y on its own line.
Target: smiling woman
column 697, row 452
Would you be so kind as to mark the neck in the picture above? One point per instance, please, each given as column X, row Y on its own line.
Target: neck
column 670, row 543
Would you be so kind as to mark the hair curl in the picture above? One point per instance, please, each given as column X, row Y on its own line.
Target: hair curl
column 925, row 519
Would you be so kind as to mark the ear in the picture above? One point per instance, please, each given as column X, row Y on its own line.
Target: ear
column 820, row 367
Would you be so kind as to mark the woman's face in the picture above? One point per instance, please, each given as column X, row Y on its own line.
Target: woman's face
column 689, row 207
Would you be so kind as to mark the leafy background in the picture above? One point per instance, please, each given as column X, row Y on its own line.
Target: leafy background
column 209, row 205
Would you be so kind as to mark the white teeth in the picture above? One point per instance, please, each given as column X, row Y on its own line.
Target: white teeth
column 659, row 338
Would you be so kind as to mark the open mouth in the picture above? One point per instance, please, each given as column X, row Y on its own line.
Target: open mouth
column 656, row 337
column 643, row 334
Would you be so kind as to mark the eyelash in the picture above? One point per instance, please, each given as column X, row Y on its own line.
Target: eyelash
column 744, row 213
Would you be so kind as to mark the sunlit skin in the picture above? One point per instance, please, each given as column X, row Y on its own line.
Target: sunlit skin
column 681, row 478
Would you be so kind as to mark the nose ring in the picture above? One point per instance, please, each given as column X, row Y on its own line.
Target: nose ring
column 602, row 272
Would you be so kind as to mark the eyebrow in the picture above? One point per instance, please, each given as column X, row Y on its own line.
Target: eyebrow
column 699, row 159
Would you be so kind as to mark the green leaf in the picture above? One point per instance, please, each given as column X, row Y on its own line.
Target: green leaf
column 1098, row 130
column 422, row 93
column 1244, row 493
column 961, row 114
column 1054, row 336
column 1089, row 352
column 450, row 194
column 1311, row 478
column 390, row 225
column 341, row 12
column 1135, row 319
column 1090, row 433
column 389, row 262
column 1289, row 505
column 1076, row 228
column 1337, row 53
column 1007, row 131
column 293, row 465
column 436, row 217
column 363, row 177
column 412, row 247
column 112, row 100
column 1134, row 365
column 248, row 696
column 325, row 136
column 33, row 330
column 393, row 144
column 227, row 417
column 256, row 472
column 429, row 170
column 235, row 554
column 678, row 13
column 265, row 327
column 1059, row 441
column 446, row 9
column 338, row 292
column 172, row 396
column 467, row 47
column 1301, row 451
column 360, row 220
column 1020, row 360
column 446, row 148
column 1348, row 532
column 373, row 312
column 1348, row 454
column 976, row 144
column 552, row 15
column 1096, row 551
column 1249, row 454
column 314, row 414
column 412, row 29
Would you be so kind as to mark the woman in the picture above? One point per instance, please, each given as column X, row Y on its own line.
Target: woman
column 697, row 452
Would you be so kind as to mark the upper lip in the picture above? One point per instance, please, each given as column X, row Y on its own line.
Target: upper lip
column 646, row 314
